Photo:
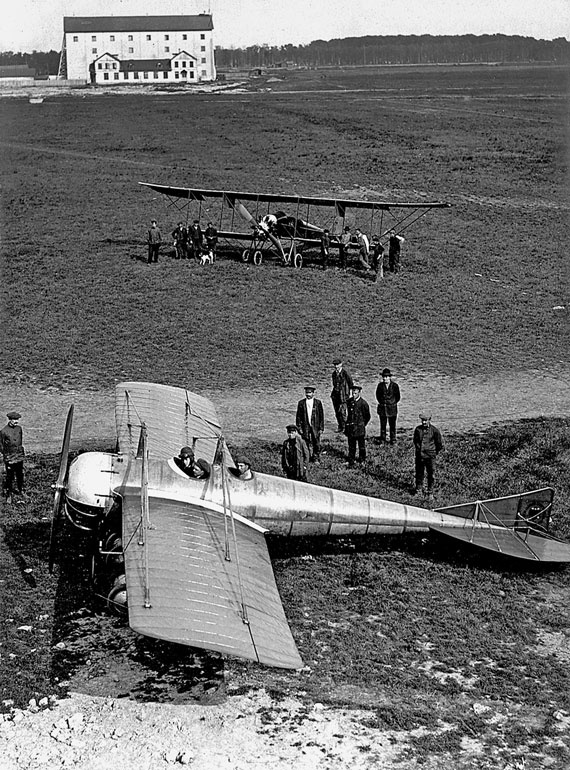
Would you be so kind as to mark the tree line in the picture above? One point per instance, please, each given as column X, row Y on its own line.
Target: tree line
column 398, row 49
column 45, row 63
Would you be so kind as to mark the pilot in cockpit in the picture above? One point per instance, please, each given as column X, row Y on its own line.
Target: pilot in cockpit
column 185, row 460
column 200, row 469
column 243, row 468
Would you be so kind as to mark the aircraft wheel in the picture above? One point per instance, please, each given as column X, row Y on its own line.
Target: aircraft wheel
column 257, row 257
column 117, row 596
column 245, row 255
column 298, row 260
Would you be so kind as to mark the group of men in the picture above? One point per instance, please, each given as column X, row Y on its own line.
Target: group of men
column 352, row 412
column 189, row 242
column 370, row 254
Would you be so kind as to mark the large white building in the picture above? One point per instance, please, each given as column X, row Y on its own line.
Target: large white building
column 138, row 49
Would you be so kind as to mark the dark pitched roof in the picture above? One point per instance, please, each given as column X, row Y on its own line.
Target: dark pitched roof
column 16, row 71
column 145, row 65
column 201, row 23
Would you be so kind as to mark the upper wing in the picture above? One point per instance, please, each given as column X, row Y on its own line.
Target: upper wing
column 181, row 587
column 174, row 417
column 339, row 203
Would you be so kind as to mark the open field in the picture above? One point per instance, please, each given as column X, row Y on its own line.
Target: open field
column 466, row 656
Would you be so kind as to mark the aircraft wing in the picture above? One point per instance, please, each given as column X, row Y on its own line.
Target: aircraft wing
column 182, row 588
column 340, row 204
column 174, row 417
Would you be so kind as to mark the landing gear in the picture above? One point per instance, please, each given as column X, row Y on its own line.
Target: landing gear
column 245, row 255
column 257, row 257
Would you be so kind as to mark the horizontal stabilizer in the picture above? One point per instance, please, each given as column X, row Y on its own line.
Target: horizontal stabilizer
column 196, row 595
column 511, row 543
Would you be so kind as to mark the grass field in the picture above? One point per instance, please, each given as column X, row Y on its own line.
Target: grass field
column 428, row 637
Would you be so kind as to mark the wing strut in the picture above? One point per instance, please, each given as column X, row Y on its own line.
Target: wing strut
column 145, row 514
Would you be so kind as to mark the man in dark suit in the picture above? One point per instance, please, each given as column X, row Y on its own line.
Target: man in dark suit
column 294, row 455
column 341, row 392
column 357, row 420
column 388, row 396
column 310, row 420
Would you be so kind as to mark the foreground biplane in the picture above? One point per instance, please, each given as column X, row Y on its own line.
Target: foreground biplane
column 288, row 234
column 191, row 555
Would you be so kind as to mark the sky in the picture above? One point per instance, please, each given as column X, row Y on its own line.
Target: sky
column 37, row 24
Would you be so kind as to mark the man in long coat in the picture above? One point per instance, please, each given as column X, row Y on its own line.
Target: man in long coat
column 13, row 455
column 357, row 420
column 294, row 455
column 427, row 444
column 388, row 396
column 310, row 420
column 341, row 392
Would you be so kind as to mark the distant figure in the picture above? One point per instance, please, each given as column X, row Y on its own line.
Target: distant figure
column 211, row 235
column 243, row 468
column 310, row 421
column 394, row 252
column 196, row 239
column 185, row 460
column 341, row 392
column 427, row 444
column 325, row 247
column 356, row 422
column 377, row 257
column 294, row 455
column 11, row 443
column 154, row 239
column 345, row 240
column 363, row 249
column 387, row 396
column 180, row 238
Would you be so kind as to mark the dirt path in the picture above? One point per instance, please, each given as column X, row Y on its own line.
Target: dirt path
column 457, row 403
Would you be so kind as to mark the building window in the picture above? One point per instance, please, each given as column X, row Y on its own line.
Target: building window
column 136, row 74
column 204, row 73
column 203, row 61
column 75, row 39
column 114, row 65
column 156, row 75
column 202, row 37
column 191, row 64
column 191, row 75
column 203, row 48
column 93, row 38
column 184, row 74
column 130, row 37
column 148, row 37
column 145, row 75
column 112, row 38
column 125, row 75
column 184, row 37
column 116, row 75
column 99, row 66
column 176, row 64
column 165, row 75
column 131, row 50
column 93, row 50
column 176, row 75
column 167, row 37
column 167, row 49
column 105, row 76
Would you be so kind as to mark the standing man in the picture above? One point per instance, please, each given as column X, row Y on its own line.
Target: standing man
column 363, row 249
column 13, row 454
column 388, row 396
column 180, row 237
column 377, row 258
column 211, row 235
column 325, row 247
column 394, row 252
column 310, row 421
column 294, row 455
column 154, row 239
column 196, row 239
column 358, row 419
column 427, row 444
column 340, row 393
column 345, row 239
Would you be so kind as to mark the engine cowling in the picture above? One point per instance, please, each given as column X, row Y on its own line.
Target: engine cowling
column 92, row 480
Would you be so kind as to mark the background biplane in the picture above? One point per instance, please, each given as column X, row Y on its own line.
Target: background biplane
column 288, row 234
column 190, row 554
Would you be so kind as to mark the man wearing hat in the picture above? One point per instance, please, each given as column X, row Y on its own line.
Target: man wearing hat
column 341, row 392
column 294, row 455
column 357, row 420
column 243, row 466
column 153, row 239
column 388, row 396
column 185, row 460
column 310, row 421
column 427, row 444
column 13, row 454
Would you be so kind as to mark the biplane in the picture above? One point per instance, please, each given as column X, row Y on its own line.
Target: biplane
column 187, row 557
column 280, row 225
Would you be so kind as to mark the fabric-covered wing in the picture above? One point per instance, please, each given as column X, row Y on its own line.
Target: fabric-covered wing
column 174, row 417
column 195, row 594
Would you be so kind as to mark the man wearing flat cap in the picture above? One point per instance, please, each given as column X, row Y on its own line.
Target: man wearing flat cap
column 341, row 392
column 427, row 444
column 356, row 422
column 185, row 460
column 388, row 396
column 294, row 455
column 243, row 468
column 13, row 453
column 310, row 420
